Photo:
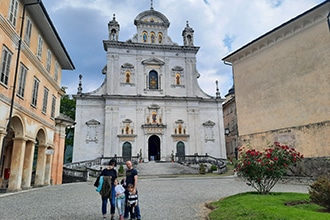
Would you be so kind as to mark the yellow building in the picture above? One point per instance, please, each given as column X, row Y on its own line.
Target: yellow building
column 282, row 85
column 32, row 59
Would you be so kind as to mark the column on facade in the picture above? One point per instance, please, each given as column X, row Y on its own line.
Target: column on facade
column 2, row 136
column 139, row 76
column 190, row 76
column 112, row 64
column 164, row 147
column 168, row 140
column 28, row 164
column 58, row 156
column 16, row 166
column 110, row 147
column 48, row 169
column 41, row 163
column 194, row 138
column 222, row 140
column 55, row 168
column 140, row 120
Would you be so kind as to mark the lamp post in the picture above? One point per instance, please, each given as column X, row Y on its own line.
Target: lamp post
column 227, row 131
column 14, row 84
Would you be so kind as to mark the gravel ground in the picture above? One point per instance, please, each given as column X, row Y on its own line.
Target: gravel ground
column 179, row 198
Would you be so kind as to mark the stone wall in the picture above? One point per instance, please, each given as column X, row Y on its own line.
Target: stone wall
column 311, row 167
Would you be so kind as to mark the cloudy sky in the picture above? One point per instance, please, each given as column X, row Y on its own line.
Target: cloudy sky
column 221, row 27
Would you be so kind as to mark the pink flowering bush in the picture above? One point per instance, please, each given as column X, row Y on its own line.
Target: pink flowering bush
column 262, row 170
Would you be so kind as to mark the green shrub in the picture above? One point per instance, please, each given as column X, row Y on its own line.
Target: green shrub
column 213, row 168
column 319, row 192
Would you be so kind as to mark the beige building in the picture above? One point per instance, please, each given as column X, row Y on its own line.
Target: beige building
column 282, row 85
column 230, row 124
column 32, row 58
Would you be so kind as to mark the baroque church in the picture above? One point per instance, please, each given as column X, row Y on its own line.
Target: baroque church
column 150, row 103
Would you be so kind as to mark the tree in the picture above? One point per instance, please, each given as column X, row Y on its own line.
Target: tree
column 68, row 108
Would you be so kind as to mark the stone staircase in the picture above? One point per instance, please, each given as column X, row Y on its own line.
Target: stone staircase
column 153, row 168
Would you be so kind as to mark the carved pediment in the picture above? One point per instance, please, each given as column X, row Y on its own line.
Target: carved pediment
column 127, row 121
column 177, row 68
column 92, row 122
column 180, row 121
column 209, row 123
column 127, row 66
column 153, row 106
column 153, row 61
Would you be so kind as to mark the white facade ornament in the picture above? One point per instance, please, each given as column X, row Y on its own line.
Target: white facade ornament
column 92, row 131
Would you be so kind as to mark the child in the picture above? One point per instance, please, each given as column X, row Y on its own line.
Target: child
column 120, row 198
column 132, row 200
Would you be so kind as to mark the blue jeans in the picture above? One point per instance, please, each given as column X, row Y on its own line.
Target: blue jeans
column 120, row 202
column 136, row 209
column 112, row 202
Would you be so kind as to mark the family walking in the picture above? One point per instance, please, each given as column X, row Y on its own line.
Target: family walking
column 121, row 194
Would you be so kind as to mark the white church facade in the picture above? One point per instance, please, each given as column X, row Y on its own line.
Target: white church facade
column 150, row 102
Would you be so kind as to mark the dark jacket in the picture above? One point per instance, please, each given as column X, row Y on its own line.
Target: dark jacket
column 106, row 187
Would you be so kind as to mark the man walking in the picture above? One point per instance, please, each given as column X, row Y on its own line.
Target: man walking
column 132, row 178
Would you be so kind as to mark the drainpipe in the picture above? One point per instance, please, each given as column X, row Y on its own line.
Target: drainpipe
column 328, row 18
column 14, row 85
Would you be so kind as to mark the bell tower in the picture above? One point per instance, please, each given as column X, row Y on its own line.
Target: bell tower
column 188, row 35
column 113, row 27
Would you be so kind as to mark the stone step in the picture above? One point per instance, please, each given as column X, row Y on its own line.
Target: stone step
column 153, row 168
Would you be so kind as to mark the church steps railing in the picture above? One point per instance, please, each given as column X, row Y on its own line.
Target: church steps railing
column 82, row 170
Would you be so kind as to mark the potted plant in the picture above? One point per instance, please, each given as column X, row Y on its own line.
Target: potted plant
column 121, row 170
column 214, row 168
column 201, row 168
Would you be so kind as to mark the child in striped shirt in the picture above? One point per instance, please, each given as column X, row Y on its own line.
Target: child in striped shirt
column 132, row 200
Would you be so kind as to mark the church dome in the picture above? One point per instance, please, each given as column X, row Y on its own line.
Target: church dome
column 152, row 27
column 151, row 17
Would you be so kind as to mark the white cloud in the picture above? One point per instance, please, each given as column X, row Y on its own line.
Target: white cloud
column 220, row 28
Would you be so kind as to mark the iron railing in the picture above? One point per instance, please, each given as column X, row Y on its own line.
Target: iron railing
column 80, row 171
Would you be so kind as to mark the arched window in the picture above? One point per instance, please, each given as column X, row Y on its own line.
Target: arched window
column 153, row 79
column 189, row 40
column 152, row 36
column 160, row 37
column 145, row 36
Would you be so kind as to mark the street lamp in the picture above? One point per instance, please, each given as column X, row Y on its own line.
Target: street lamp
column 14, row 84
column 227, row 131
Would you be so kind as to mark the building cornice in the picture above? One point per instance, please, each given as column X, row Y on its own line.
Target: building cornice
column 140, row 97
column 294, row 26
column 45, row 25
column 141, row 46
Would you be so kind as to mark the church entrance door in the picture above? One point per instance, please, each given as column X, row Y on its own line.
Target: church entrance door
column 180, row 149
column 127, row 151
column 154, row 148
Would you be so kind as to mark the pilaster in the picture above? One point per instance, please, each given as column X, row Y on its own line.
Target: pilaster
column 16, row 167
